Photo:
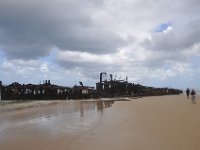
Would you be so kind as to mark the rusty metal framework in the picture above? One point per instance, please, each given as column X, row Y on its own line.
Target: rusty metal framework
column 104, row 88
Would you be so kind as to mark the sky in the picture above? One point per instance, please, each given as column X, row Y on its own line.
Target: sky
column 153, row 42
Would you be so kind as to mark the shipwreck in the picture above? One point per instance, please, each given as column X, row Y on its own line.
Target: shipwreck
column 108, row 86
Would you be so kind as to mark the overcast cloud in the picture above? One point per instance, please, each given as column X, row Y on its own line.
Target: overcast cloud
column 153, row 42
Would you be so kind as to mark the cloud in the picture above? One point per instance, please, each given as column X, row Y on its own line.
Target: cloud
column 84, row 58
column 168, row 29
column 6, row 66
column 44, row 68
column 30, row 29
column 19, row 67
column 79, row 39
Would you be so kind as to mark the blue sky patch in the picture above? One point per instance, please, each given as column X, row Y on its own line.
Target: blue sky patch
column 162, row 27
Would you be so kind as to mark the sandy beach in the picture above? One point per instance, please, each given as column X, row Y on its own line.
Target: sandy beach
column 149, row 123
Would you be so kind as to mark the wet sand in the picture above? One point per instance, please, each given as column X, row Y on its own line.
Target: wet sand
column 150, row 123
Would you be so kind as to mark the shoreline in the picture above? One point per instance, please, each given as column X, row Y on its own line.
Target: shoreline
column 153, row 123
column 11, row 105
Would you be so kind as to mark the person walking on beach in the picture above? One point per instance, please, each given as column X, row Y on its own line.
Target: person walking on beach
column 188, row 92
column 193, row 94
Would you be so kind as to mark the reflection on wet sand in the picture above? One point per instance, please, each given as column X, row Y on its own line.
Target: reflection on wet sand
column 151, row 123
column 100, row 105
column 53, row 109
column 51, row 121
column 103, row 104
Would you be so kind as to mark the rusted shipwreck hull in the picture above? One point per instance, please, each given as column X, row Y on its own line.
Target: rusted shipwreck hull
column 105, row 88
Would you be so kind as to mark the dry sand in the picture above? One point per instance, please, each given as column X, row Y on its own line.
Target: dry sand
column 150, row 123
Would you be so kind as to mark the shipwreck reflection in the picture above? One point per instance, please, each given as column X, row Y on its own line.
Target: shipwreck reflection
column 96, row 105
column 101, row 105
column 55, row 109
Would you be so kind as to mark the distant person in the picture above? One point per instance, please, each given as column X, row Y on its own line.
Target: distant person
column 188, row 92
column 193, row 94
